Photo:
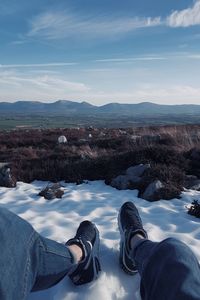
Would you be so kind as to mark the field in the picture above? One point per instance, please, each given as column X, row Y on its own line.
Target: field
column 8, row 122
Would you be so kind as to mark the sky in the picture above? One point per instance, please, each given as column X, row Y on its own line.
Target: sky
column 100, row 51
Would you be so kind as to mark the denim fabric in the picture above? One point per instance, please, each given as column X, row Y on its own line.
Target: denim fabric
column 27, row 260
column 169, row 270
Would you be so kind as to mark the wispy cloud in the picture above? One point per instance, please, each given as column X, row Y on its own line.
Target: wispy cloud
column 52, row 87
column 57, row 25
column 41, row 86
column 186, row 17
column 62, row 64
column 175, row 94
column 163, row 57
column 194, row 56
column 132, row 59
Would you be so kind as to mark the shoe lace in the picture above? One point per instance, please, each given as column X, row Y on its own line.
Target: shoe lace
column 131, row 221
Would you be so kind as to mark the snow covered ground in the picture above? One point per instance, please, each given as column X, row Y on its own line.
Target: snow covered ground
column 58, row 219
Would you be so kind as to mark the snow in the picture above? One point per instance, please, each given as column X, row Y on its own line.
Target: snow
column 58, row 219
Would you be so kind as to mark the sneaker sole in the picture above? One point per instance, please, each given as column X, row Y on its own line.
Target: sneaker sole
column 122, row 261
column 95, row 249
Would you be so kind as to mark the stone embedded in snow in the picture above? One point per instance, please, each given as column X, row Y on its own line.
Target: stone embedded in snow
column 6, row 179
column 120, row 182
column 62, row 139
column 52, row 191
column 152, row 190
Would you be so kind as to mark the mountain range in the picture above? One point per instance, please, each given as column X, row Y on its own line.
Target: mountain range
column 66, row 107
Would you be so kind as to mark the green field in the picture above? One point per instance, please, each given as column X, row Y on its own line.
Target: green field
column 109, row 121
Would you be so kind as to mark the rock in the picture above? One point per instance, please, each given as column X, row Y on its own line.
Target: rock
column 131, row 178
column 196, row 186
column 62, row 139
column 6, row 179
column 192, row 183
column 194, row 209
column 136, row 171
column 101, row 134
column 120, row 182
column 52, row 191
column 152, row 190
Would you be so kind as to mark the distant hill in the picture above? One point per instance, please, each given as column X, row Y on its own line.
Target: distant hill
column 66, row 107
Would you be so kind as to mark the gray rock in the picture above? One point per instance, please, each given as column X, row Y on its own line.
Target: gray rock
column 152, row 189
column 6, row 179
column 52, row 191
column 192, row 183
column 196, row 186
column 120, row 182
column 136, row 171
column 131, row 178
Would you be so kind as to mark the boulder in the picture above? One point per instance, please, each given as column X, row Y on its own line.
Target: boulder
column 136, row 171
column 131, row 178
column 52, row 191
column 6, row 179
column 152, row 190
column 192, row 183
column 196, row 186
column 62, row 139
column 120, row 182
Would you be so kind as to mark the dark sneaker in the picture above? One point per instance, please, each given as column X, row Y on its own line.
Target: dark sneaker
column 130, row 223
column 87, row 237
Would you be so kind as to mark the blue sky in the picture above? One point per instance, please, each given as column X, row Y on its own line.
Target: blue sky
column 100, row 51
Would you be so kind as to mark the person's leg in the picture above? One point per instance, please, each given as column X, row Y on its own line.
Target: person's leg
column 169, row 270
column 30, row 262
column 24, row 253
column 53, row 261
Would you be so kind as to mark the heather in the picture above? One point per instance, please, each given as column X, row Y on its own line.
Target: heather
column 92, row 154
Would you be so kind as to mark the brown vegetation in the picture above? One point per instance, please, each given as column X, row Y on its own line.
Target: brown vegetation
column 172, row 152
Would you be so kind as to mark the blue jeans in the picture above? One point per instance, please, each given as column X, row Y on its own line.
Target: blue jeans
column 169, row 270
column 28, row 261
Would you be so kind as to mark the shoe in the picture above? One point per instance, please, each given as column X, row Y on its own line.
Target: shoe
column 87, row 237
column 129, row 223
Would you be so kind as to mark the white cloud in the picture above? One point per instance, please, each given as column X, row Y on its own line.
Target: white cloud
column 194, row 56
column 186, row 17
column 18, row 86
column 55, row 25
column 38, row 65
column 132, row 59
column 177, row 94
column 58, row 25
column 39, row 87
